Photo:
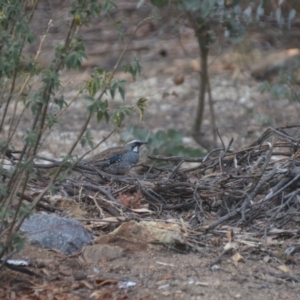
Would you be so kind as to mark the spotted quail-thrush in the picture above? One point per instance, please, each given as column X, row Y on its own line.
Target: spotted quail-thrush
column 117, row 160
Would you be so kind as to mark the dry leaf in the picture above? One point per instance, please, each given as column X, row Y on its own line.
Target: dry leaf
column 101, row 282
column 142, row 210
column 107, row 221
column 87, row 285
column 237, row 257
column 231, row 245
column 131, row 200
column 216, row 241
column 165, row 277
column 284, row 269
column 103, row 295
column 230, row 235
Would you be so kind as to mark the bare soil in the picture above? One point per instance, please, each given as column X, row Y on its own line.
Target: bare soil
column 157, row 274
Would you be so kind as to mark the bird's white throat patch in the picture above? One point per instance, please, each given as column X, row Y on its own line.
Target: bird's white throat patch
column 135, row 149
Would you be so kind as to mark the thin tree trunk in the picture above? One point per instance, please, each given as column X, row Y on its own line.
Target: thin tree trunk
column 203, row 47
column 203, row 37
column 212, row 112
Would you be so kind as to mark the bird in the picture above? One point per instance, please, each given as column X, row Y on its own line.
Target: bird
column 116, row 160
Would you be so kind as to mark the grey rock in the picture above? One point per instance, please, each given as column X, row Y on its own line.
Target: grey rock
column 53, row 232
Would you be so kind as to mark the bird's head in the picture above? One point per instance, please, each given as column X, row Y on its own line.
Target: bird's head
column 134, row 145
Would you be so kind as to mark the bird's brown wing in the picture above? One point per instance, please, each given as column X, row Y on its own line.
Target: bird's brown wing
column 103, row 158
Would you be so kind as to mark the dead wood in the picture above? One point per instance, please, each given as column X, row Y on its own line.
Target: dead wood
column 257, row 187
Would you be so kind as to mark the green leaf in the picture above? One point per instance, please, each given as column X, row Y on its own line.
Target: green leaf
column 101, row 114
column 117, row 85
column 159, row 3
column 25, row 210
column 121, row 88
column 30, row 138
column 134, row 68
column 120, row 113
column 118, row 118
column 91, row 87
column 141, row 106
column 175, row 136
column 60, row 101
column 85, row 139
column 106, row 116
column 50, row 78
column 98, row 81
column 51, row 120
column 17, row 242
column 161, row 136
column 3, row 190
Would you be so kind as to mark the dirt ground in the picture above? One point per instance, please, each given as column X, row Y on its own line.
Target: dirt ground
column 242, row 112
column 157, row 275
